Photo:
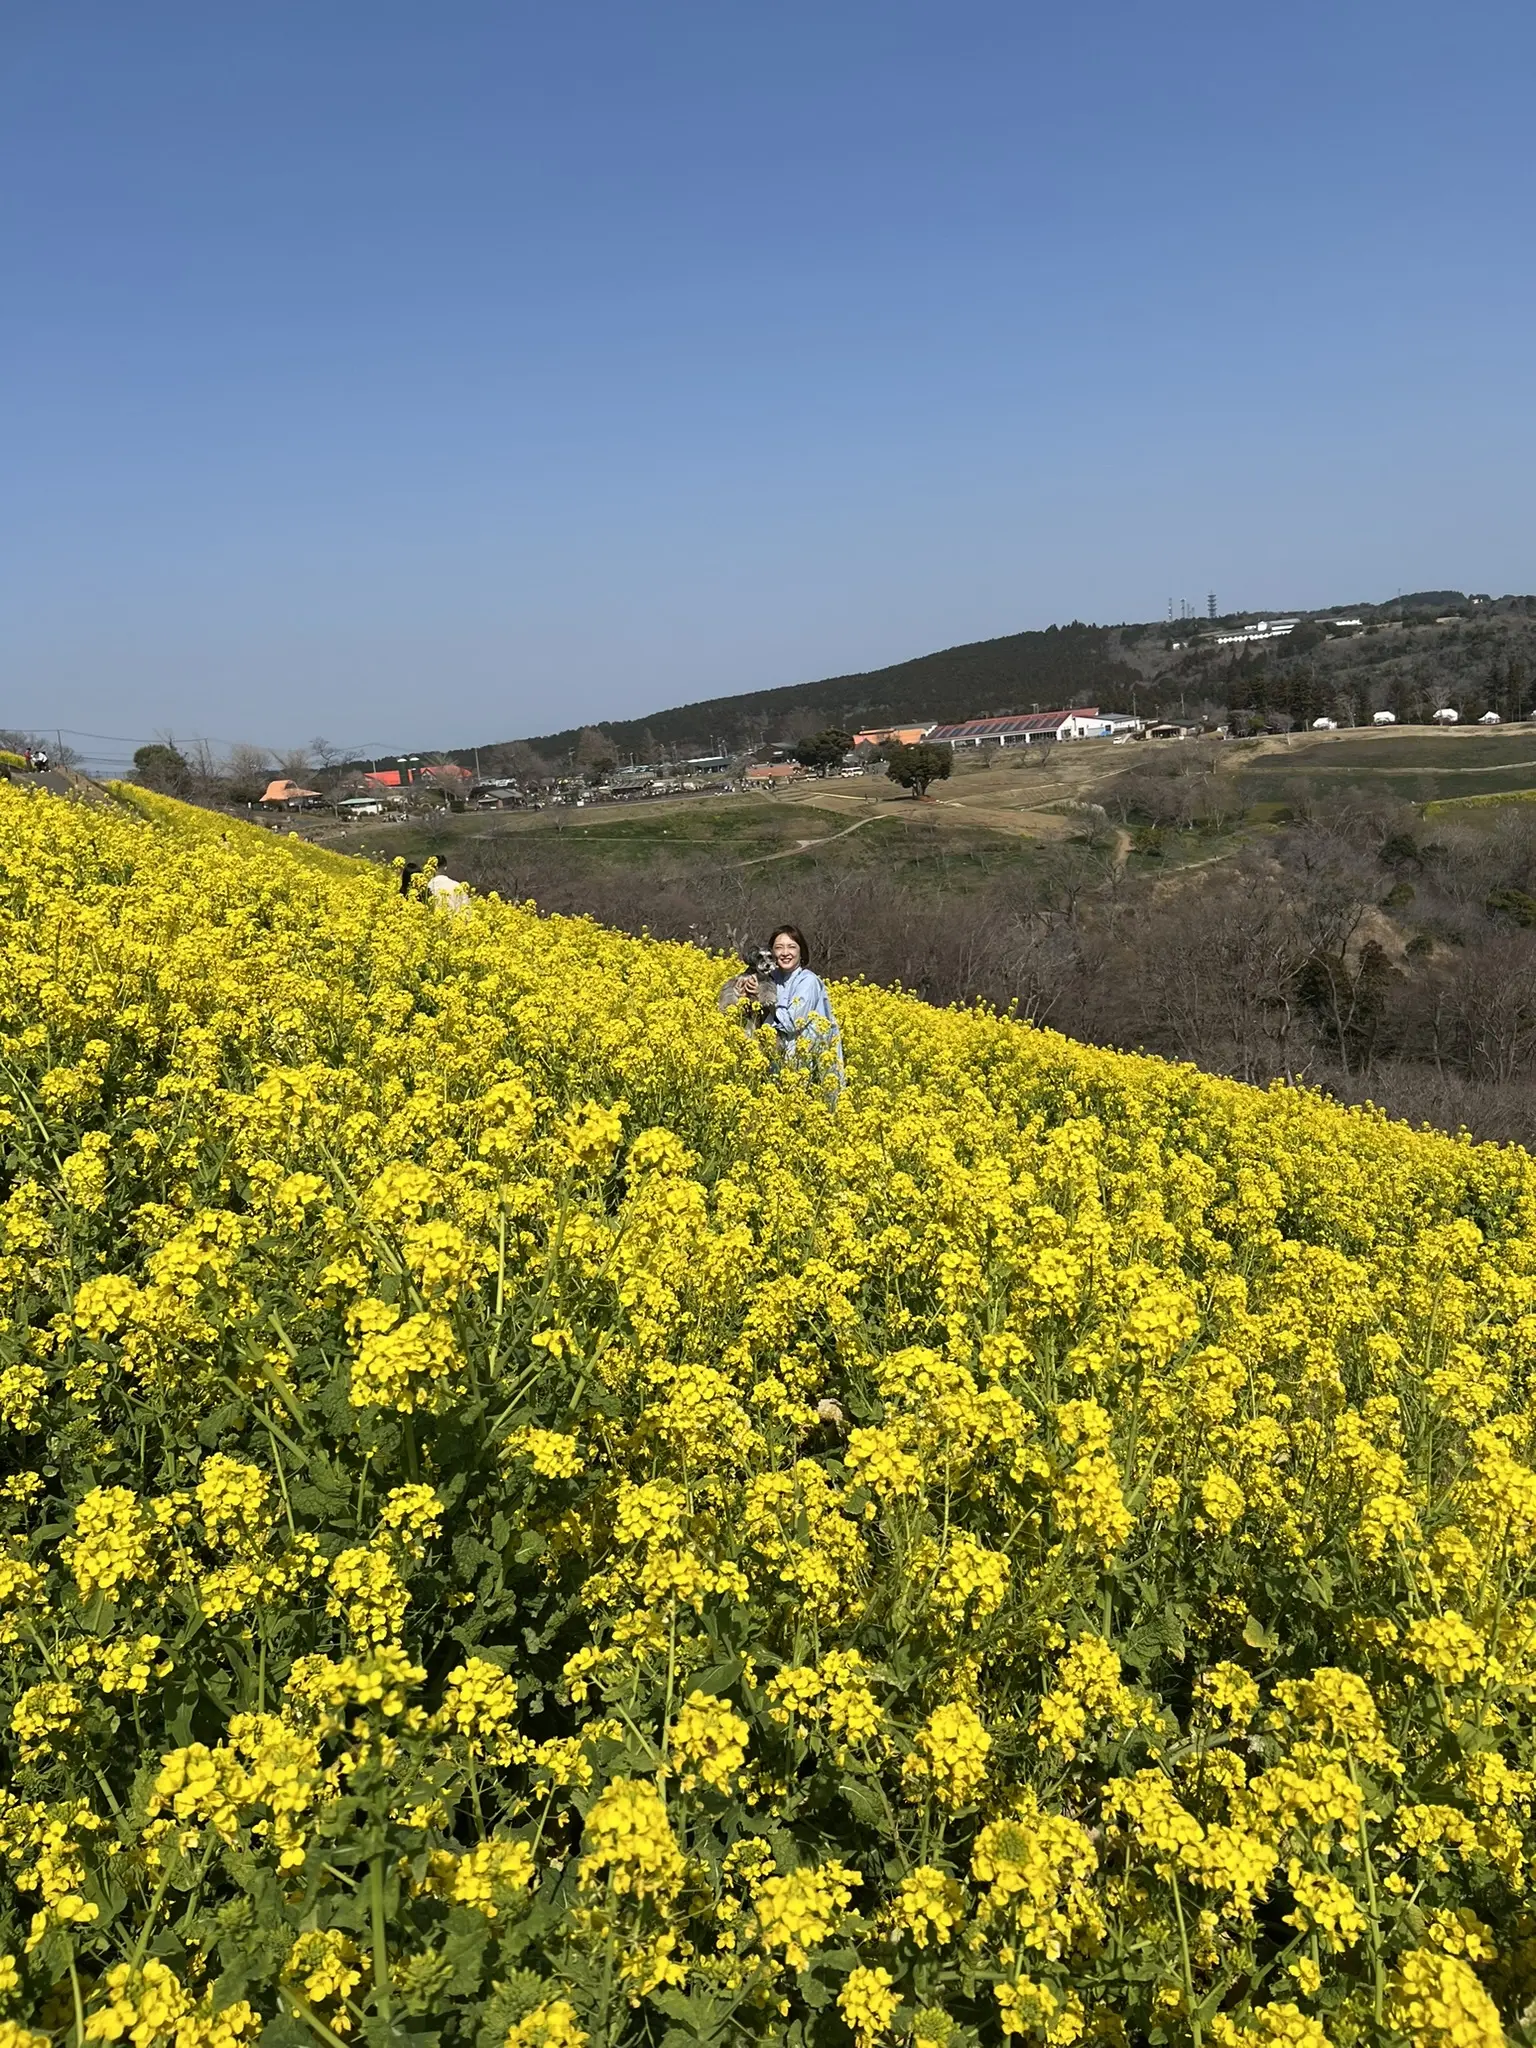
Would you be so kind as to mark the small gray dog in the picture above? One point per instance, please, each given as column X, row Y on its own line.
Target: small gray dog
column 753, row 1015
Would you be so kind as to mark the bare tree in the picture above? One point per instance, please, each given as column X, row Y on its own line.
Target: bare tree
column 296, row 765
column 1487, row 1007
column 245, row 772
column 1210, row 975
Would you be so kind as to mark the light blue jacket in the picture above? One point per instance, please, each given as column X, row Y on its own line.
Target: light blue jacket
column 804, row 1023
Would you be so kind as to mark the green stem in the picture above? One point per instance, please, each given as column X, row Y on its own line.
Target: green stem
column 1189, row 1977
column 538, row 1833
column 311, row 2019
column 106, row 1790
column 282, row 1477
column 149, row 1921
column 666, row 1724
column 1377, row 1975
column 507, row 1413
column 74, row 1985
column 21, row 1095
column 607, row 1990
column 281, row 1435
column 289, row 1401
column 474, row 1796
column 380, row 1938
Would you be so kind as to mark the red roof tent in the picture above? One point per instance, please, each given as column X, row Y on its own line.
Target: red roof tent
column 1000, row 728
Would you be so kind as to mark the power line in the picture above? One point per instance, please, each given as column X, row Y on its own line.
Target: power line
column 126, row 739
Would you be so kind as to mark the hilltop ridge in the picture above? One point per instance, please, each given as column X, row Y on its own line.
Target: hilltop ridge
column 1422, row 648
column 1007, row 673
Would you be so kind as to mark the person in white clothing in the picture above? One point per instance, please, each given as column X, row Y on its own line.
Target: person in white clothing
column 447, row 894
column 443, row 891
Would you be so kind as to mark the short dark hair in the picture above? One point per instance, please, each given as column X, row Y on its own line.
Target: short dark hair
column 793, row 931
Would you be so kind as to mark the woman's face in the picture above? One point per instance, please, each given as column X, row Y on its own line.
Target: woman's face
column 786, row 954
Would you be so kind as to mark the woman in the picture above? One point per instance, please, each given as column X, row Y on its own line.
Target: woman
column 798, row 1007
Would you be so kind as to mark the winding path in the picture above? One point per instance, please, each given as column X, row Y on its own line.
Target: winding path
column 801, row 845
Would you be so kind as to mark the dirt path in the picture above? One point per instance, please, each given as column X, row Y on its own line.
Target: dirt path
column 1022, row 823
column 801, row 845
column 61, row 782
column 1017, row 821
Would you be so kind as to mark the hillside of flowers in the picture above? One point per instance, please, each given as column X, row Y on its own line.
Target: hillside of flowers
column 521, row 1526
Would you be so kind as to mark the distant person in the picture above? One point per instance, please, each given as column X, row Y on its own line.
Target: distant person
column 27, row 758
column 448, row 894
column 798, row 1007
column 39, row 760
column 443, row 891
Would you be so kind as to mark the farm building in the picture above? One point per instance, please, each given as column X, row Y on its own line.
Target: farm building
column 1265, row 629
column 1027, row 728
column 888, row 735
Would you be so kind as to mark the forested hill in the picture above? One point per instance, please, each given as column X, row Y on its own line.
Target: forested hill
column 1061, row 666
column 1411, row 654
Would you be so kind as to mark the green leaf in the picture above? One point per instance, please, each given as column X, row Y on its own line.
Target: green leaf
column 864, row 1803
column 1258, row 1637
column 717, row 1678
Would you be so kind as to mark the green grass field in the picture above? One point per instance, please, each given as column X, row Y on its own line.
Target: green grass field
column 922, row 842
column 1467, row 750
column 997, row 814
column 1411, row 767
column 1271, row 783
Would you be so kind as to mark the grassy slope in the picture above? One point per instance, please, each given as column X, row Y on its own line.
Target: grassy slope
column 925, row 843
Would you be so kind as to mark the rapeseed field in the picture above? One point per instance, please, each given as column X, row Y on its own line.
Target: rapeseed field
column 523, row 1527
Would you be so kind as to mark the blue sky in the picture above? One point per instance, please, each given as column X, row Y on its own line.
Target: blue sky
column 433, row 375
